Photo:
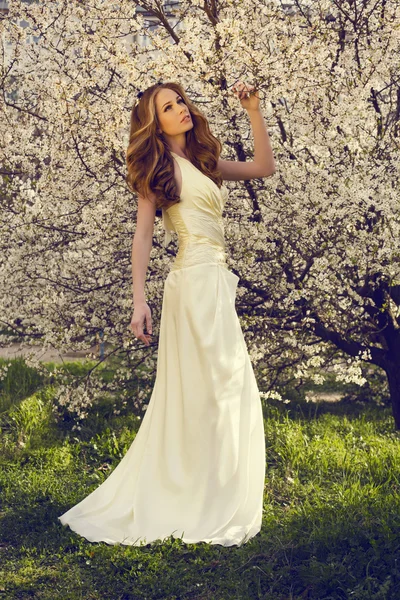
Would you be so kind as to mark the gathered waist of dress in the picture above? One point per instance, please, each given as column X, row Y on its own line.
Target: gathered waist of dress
column 197, row 250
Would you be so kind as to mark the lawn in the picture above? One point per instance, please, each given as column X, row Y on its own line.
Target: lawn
column 331, row 525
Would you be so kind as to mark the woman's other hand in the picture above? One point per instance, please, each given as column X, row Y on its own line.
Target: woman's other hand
column 142, row 315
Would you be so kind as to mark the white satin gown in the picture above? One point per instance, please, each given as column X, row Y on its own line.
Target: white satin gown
column 196, row 467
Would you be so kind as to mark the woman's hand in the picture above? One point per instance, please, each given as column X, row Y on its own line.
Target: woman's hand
column 141, row 314
column 247, row 95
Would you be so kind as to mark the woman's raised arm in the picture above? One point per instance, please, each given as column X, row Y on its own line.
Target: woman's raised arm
column 263, row 164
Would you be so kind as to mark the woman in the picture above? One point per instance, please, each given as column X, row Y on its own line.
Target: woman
column 196, row 467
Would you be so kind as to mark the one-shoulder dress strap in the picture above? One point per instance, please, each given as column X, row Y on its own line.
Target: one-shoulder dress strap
column 182, row 159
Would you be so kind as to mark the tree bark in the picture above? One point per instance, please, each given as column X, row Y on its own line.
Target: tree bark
column 393, row 374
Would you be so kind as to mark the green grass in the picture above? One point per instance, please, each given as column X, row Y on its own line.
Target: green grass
column 331, row 525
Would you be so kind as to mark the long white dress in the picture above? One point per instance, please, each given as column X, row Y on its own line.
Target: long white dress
column 196, row 467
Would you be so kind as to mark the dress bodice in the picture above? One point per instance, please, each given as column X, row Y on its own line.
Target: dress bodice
column 197, row 218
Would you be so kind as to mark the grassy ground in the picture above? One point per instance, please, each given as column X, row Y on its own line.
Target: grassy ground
column 331, row 526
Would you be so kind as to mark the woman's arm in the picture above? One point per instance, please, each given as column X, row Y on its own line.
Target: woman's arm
column 263, row 164
column 141, row 247
column 142, row 314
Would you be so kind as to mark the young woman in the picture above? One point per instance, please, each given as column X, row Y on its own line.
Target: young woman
column 196, row 467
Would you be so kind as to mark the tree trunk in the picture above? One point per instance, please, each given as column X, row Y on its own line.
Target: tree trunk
column 393, row 374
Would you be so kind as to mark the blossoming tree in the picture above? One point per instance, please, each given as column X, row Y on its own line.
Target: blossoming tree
column 316, row 246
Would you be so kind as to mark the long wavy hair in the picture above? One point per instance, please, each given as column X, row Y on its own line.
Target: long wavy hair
column 148, row 156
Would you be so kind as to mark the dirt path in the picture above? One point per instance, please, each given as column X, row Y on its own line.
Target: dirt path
column 49, row 355
column 323, row 396
column 55, row 356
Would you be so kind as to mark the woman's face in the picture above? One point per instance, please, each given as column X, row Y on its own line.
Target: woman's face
column 171, row 109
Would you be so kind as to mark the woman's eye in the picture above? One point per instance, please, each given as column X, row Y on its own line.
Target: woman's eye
column 180, row 100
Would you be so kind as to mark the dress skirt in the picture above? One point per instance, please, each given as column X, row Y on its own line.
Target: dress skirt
column 196, row 467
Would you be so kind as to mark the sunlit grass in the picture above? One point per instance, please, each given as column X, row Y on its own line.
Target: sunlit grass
column 331, row 510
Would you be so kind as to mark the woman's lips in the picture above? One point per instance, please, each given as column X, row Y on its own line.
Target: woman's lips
column 185, row 119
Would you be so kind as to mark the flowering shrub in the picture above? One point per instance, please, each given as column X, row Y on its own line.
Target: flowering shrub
column 316, row 246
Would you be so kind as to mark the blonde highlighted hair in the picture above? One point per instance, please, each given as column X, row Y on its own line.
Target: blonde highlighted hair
column 148, row 156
